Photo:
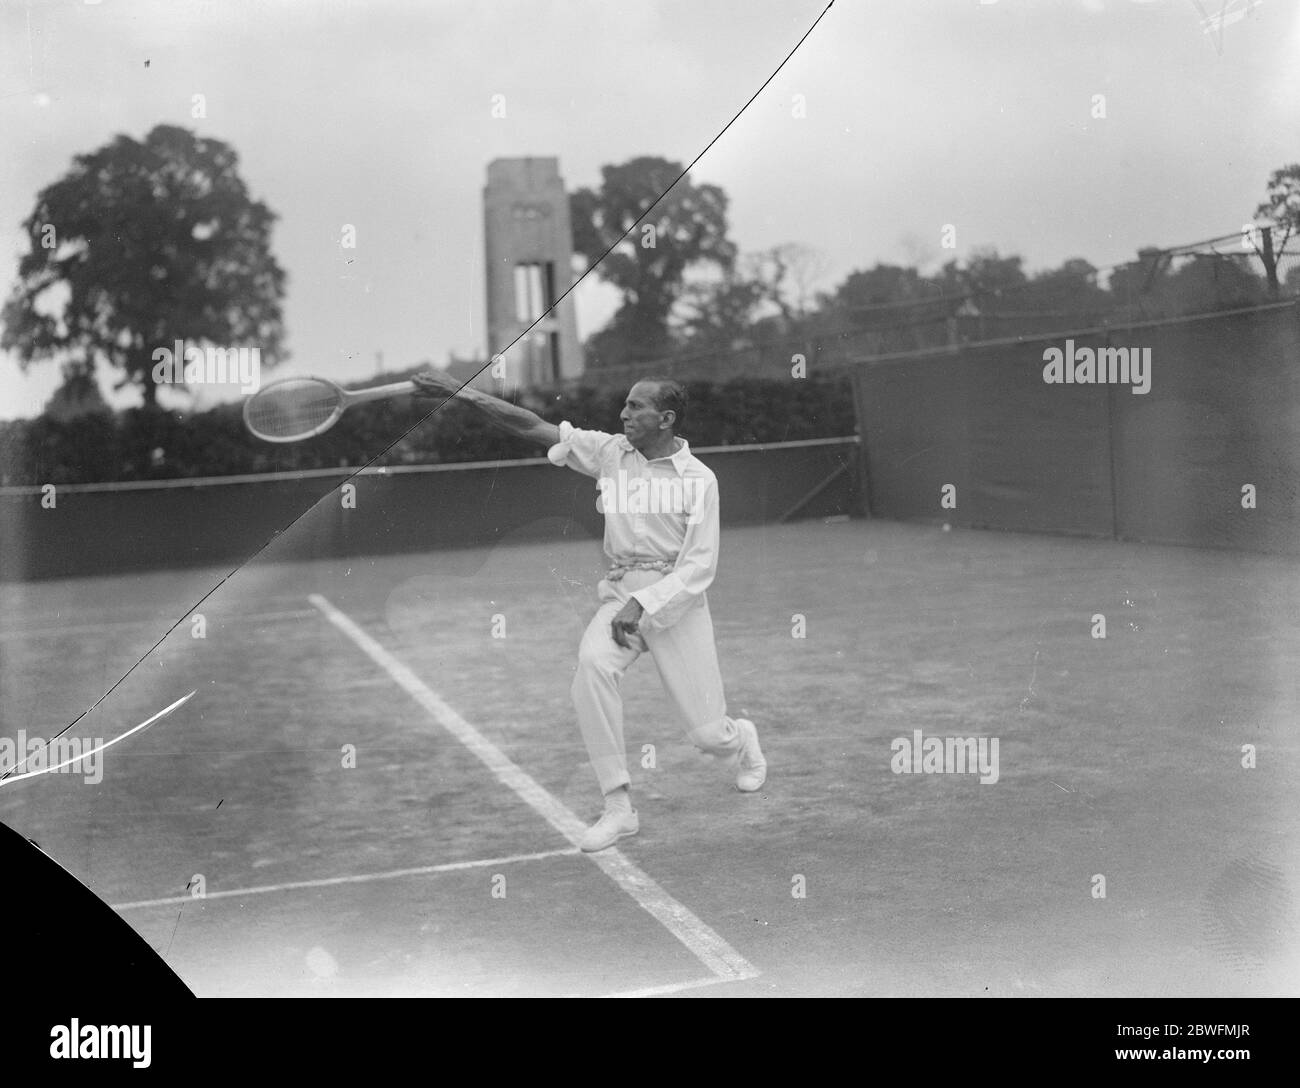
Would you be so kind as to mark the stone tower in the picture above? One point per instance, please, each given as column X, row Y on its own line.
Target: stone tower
column 529, row 251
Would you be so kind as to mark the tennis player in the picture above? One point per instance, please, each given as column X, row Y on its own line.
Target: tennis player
column 661, row 541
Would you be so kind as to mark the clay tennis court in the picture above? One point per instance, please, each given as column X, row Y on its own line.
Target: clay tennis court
column 438, row 864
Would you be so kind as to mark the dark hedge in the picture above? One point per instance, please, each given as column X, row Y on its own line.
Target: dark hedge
column 141, row 444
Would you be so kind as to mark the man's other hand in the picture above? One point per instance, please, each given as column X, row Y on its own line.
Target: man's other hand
column 626, row 621
column 434, row 385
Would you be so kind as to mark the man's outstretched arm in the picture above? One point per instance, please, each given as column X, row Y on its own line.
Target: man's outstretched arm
column 503, row 415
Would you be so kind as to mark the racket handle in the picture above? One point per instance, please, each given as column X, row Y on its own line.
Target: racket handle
column 379, row 392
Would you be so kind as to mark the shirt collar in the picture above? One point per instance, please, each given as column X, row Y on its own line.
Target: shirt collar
column 679, row 458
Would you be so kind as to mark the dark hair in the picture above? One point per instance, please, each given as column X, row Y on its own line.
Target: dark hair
column 670, row 396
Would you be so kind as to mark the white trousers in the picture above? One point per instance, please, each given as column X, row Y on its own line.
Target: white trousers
column 688, row 665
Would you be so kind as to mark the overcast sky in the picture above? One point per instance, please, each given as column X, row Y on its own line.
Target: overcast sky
column 918, row 113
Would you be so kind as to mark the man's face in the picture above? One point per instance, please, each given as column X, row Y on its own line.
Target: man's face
column 643, row 423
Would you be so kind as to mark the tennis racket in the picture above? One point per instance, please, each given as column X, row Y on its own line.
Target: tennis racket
column 296, row 408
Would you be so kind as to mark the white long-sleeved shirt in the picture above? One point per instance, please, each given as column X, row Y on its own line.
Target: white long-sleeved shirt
column 665, row 509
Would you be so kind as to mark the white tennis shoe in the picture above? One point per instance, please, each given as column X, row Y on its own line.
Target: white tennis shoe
column 753, row 767
column 606, row 831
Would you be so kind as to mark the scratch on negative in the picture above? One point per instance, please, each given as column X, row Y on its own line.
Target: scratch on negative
column 1032, row 677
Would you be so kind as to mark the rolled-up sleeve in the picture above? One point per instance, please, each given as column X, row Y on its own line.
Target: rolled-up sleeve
column 668, row 599
column 582, row 451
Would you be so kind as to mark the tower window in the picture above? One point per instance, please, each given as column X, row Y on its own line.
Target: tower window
column 534, row 286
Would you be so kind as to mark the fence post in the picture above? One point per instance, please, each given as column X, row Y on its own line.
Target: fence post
column 862, row 467
column 1270, row 262
column 1111, row 400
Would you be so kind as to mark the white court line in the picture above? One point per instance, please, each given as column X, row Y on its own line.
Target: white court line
column 673, row 987
column 329, row 882
column 705, row 944
column 113, row 625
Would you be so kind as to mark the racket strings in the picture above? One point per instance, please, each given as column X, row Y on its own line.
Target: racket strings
column 295, row 407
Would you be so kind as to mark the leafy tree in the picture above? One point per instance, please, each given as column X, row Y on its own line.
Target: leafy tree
column 141, row 245
column 721, row 314
column 1168, row 284
column 867, row 290
column 788, row 273
column 688, row 228
column 994, row 281
column 1132, row 286
column 1207, row 282
column 889, row 303
column 78, row 396
column 1281, row 207
column 1070, row 289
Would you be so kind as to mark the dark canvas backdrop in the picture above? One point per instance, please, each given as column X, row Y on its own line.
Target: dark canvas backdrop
column 1167, row 466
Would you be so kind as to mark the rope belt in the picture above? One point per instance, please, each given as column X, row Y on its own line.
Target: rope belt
column 616, row 572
